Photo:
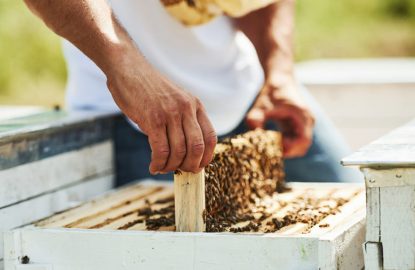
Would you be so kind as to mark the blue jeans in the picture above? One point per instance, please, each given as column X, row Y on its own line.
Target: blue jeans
column 320, row 164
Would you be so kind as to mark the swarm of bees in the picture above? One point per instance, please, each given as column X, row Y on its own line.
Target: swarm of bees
column 244, row 169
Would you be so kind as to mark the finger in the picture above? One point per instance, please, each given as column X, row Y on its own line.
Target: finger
column 296, row 128
column 255, row 118
column 195, row 145
column 160, row 150
column 177, row 144
column 209, row 137
column 297, row 148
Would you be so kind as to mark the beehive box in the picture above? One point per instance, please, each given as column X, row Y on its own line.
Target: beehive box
column 37, row 147
column 122, row 230
column 389, row 168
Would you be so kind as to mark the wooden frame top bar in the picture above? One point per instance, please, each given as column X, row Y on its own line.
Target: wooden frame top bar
column 396, row 149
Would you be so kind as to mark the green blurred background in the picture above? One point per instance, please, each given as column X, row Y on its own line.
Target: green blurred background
column 32, row 70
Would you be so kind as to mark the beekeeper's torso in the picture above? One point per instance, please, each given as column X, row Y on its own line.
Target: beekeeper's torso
column 213, row 61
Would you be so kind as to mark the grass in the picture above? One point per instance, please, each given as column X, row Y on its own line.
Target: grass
column 32, row 70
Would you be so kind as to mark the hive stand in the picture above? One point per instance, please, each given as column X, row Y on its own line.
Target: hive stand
column 389, row 168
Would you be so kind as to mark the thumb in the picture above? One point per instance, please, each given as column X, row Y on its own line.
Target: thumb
column 255, row 118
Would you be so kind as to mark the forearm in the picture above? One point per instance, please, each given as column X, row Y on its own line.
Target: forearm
column 91, row 26
column 271, row 31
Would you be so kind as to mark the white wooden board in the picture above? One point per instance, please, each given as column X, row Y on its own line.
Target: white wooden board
column 397, row 221
column 157, row 250
column 29, row 180
column 341, row 248
column 47, row 204
column 337, row 246
column 395, row 149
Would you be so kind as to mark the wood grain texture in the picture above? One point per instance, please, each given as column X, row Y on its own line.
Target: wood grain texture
column 373, row 215
column 32, row 179
column 389, row 176
column 108, row 250
column 47, row 204
column 189, row 197
column 397, row 220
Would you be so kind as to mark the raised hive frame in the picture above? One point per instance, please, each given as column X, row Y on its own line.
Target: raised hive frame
column 389, row 168
column 244, row 168
column 52, row 247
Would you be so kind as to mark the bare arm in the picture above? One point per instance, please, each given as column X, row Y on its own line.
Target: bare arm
column 271, row 31
column 180, row 133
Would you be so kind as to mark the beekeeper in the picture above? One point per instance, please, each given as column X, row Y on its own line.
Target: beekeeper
column 185, row 71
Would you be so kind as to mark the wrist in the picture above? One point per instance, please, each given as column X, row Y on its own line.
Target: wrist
column 121, row 59
column 279, row 79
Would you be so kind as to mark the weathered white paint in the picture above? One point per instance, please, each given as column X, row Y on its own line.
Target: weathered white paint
column 189, row 198
column 386, row 177
column 397, row 221
column 29, row 180
column 396, row 149
column 78, row 249
column 372, row 252
column 101, row 249
column 341, row 248
column 47, row 204
column 73, row 118
column 373, row 214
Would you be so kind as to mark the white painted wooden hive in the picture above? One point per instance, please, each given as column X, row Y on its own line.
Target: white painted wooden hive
column 389, row 168
column 104, row 234
column 37, row 147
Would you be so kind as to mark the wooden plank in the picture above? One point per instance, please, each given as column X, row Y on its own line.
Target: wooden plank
column 373, row 215
column 115, row 197
column 342, row 248
column 105, row 250
column 394, row 149
column 389, row 177
column 53, row 173
column 26, row 147
column 372, row 252
column 100, row 219
column 47, row 204
column 356, row 203
column 189, row 197
column 71, row 120
column 397, row 221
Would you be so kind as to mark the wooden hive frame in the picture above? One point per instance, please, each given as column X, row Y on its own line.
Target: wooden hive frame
column 124, row 228
column 244, row 168
column 78, row 238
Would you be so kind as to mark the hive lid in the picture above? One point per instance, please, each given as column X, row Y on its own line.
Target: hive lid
column 22, row 121
column 396, row 149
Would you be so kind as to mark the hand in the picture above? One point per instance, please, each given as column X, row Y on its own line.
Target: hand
column 179, row 131
column 284, row 106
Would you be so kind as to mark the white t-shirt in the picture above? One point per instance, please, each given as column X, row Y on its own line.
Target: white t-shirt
column 214, row 62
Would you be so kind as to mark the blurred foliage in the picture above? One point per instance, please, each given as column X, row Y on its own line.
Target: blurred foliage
column 355, row 28
column 32, row 70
